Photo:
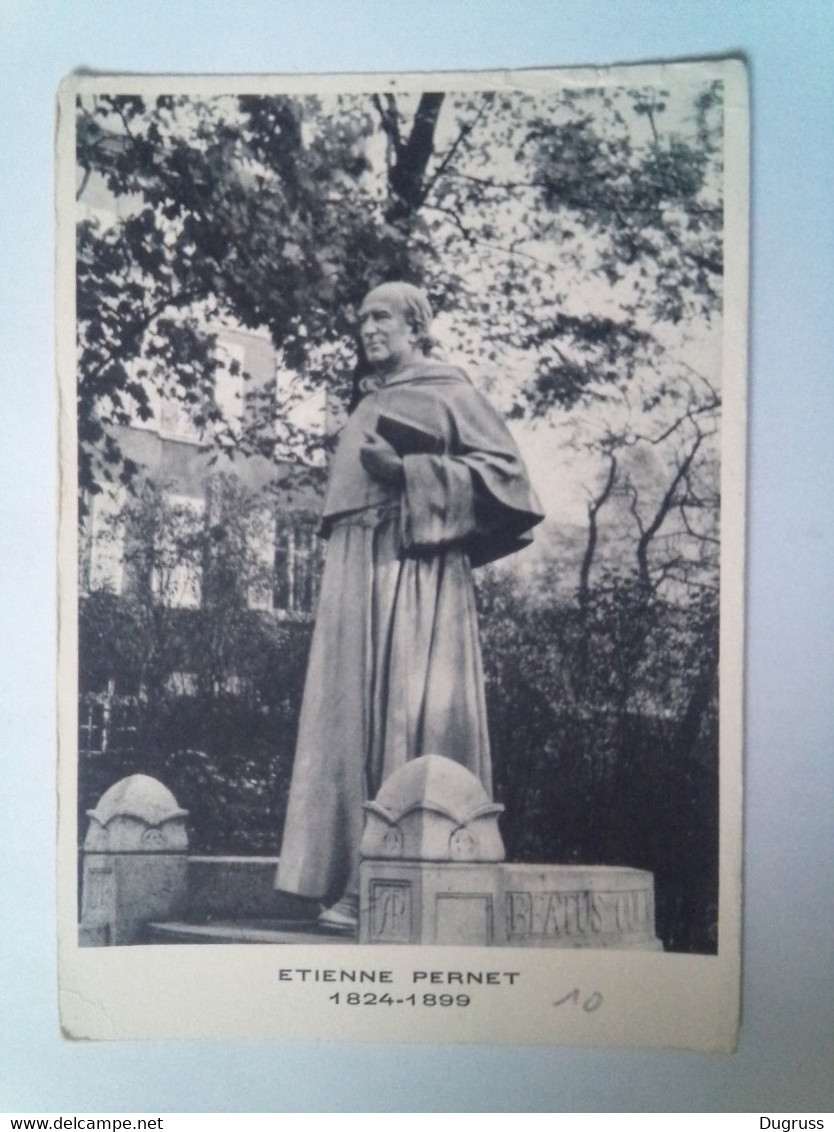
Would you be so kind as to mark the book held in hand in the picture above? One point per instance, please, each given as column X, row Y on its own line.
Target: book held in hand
column 408, row 438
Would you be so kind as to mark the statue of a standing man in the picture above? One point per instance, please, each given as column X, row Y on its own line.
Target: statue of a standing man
column 426, row 483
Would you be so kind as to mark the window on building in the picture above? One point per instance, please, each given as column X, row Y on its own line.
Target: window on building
column 178, row 553
column 176, row 417
column 182, row 683
column 298, row 560
column 92, row 713
column 140, row 373
column 102, row 543
column 261, row 547
column 234, row 685
column 176, row 420
column 229, row 387
column 107, row 722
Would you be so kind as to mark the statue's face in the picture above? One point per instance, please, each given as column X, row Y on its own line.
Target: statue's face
column 388, row 339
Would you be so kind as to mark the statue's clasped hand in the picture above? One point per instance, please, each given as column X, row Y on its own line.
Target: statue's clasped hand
column 380, row 460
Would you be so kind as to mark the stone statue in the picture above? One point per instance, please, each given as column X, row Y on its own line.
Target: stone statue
column 426, row 483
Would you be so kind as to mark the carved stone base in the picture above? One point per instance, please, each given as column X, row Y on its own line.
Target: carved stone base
column 134, row 862
column 122, row 892
column 506, row 905
column 578, row 906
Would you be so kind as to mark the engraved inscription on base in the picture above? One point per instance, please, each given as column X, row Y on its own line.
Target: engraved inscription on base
column 391, row 912
column 572, row 915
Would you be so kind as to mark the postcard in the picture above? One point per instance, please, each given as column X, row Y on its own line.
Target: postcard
column 402, row 449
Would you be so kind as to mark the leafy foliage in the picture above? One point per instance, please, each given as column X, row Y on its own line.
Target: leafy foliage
column 214, row 689
column 571, row 243
column 280, row 213
column 603, row 725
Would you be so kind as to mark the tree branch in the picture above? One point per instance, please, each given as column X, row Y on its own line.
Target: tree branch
column 666, row 505
column 594, row 507
column 465, row 130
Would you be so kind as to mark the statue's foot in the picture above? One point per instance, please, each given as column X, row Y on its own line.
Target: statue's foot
column 343, row 917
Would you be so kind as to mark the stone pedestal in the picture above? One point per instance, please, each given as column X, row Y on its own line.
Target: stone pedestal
column 135, row 865
column 506, row 905
column 433, row 872
column 427, row 902
column 577, row 906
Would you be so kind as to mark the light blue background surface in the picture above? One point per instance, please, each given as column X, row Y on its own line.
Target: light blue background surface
column 785, row 1058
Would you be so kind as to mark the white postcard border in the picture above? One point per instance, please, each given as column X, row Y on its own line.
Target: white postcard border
column 646, row 999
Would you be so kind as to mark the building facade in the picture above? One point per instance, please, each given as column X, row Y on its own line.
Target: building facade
column 198, row 582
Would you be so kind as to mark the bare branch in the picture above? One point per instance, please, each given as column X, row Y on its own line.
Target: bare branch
column 84, row 182
column 594, row 507
column 667, row 503
column 465, row 130
column 689, row 415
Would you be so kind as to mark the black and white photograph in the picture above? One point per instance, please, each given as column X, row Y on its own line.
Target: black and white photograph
column 402, row 511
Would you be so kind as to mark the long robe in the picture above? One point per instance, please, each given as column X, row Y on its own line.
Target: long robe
column 395, row 663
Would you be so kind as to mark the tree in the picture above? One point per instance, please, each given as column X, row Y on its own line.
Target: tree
column 279, row 213
column 603, row 729
column 227, row 214
column 214, row 683
column 571, row 243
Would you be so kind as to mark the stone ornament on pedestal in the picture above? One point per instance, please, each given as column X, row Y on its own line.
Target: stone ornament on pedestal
column 135, row 864
column 432, row 872
column 429, row 851
column 432, row 809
